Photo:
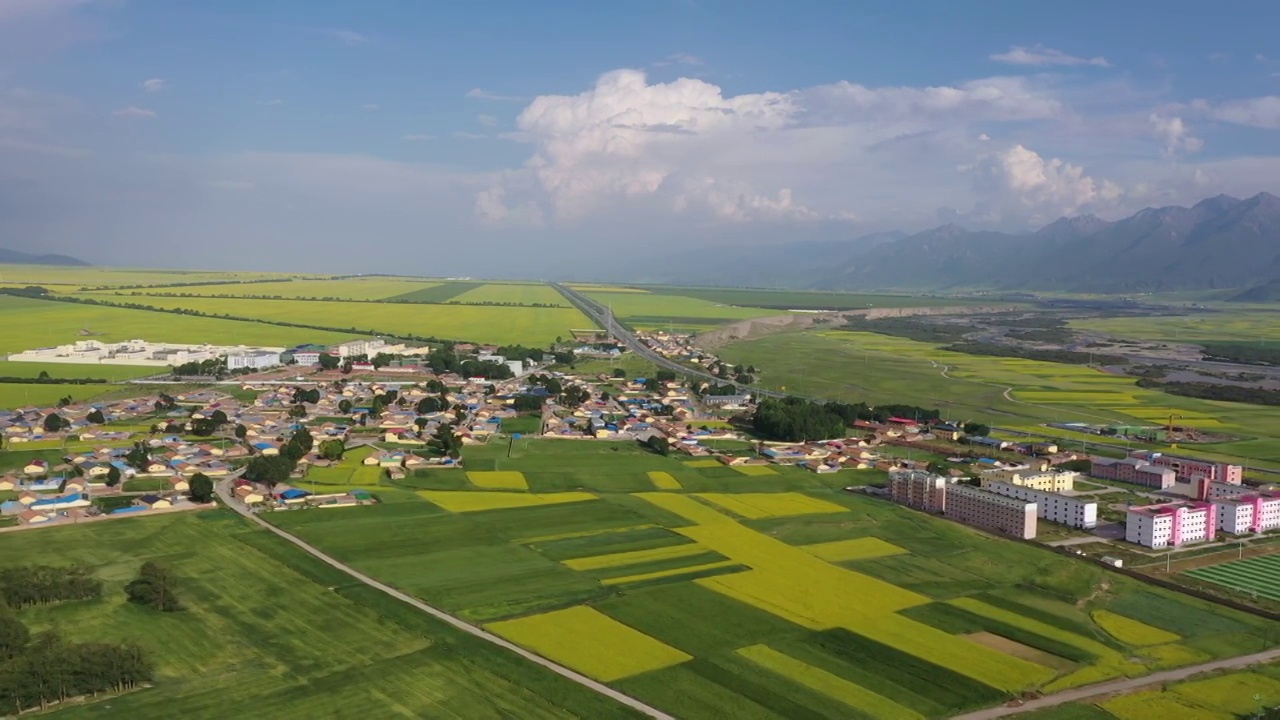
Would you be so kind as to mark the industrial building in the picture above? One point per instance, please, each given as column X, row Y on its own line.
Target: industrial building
column 984, row 509
column 1171, row 524
column 1049, row 506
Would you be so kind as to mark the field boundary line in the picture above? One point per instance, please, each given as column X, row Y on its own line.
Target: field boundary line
column 462, row 625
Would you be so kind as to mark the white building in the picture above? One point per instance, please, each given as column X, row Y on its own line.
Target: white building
column 491, row 358
column 255, row 361
column 1252, row 513
column 353, row 348
column 516, row 366
column 1171, row 524
column 307, row 358
column 1050, row 506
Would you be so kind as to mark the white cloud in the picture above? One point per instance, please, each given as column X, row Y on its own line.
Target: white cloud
column 153, row 85
column 462, row 135
column 371, row 107
column 417, row 137
column 271, row 103
column 479, row 94
column 491, row 209
column 350, row 38
column 1040, row 55
column 983, row 137
column 1022, row 184
column 487, row 120
column 134, row 111
column 1261, row 112
column 1174, row 135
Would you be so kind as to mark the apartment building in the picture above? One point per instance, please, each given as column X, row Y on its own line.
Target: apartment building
column 1134, row 470
column 980, row 508
column 355, row 348
column 1171, row 524
column 1249, row 513
column 1190, row 469
column 1053, row 481
column 1049, row 506
column 918, row 489
column 256, row 361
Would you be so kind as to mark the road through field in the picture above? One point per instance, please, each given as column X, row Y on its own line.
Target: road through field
column 224, row 492
column 1119, row 686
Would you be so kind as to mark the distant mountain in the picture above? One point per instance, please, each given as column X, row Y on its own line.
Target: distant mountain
column 1266, row 293
column 1221, row 242
column 13, row 257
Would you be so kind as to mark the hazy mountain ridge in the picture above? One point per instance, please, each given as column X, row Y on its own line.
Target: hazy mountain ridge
column 15, row 257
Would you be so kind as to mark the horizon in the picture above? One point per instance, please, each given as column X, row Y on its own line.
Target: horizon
column 273, row 137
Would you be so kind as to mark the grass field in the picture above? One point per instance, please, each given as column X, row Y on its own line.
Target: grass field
column 498, row 325
column 372, row 288
column 653, row 310
column 517, row 293
column 803, row 299
column 268, row 631
column 52, row 275
column 826, row 604
column 1260, row 575
column 1225, row 323
column 16, row 395
column 1010, row 392
column 77, row 370
column 31, row 324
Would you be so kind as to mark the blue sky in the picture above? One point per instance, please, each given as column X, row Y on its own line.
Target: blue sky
column 528, row 138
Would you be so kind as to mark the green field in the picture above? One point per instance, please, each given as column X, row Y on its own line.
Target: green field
column 805, row 299
column 30, row 324
column 514, row 293
column 1219, row 696
column 372, row 288
column 1226, row 322
column 653, row 310
column 54, row 275
column 498, row 325
column 1260, row 575
column 78, row 370
column 1009, row 392
column 16, row 395
column 910, row 615
column 270, row 632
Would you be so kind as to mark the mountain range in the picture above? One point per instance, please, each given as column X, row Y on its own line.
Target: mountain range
column 14, row 257
column 1220, row 242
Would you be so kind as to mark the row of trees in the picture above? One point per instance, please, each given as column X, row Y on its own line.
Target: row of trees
column 1215, row 391
column 41, row 584
column 49, row 669
column 795, row 420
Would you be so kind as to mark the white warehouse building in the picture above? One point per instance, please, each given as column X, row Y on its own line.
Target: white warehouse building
column 253, row 361
column 1050, row 506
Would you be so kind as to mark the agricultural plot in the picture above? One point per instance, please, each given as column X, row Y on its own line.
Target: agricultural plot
column 650, row 310
column 514, row 294
column 32, row 323
column 804, row 299
column 344, row 289
column 50, row 275
column 663, row 480
column 1259, row 576
column 464, row 501
column 16, row 395
column 863, row 548
column 77, row 371
column 267, row 631
column 1232, row 324
column 1130, row 631
column 350, row 473
column 497, row 325
column 754, row 506
column 498, row 480
column 755, row 470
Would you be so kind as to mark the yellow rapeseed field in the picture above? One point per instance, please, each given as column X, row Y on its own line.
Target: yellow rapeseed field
column 831, row 685
column 590, row 642
column 1157, row 705
column 596, row 562
column 670, row 572
column 863, row 548
column 664, row 480
column 702, row 463
column 498, row 479
column 765, row 505
column 461, row 501
column 1130, row 631
column 755, row 470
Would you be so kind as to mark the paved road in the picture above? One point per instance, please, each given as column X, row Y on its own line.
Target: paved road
column 1117, row 686
column 224, row 492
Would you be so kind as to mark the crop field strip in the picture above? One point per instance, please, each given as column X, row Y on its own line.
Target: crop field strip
column 497, row 480
column 1259, row 575
column 364, row 289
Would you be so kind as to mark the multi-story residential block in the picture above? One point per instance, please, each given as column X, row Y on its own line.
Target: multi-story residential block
column 1049, row 506
column 1190, row 469
column 973, row 506
column 1171, row 524
column 1249, row 513
column 1049, row 481
column 256, row 361
column 1134, row 470
column 919, row 490
column 355, row 348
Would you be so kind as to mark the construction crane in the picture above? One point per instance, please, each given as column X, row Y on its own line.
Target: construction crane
column 1169, row 430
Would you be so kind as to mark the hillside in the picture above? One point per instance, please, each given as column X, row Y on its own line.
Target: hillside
column 15, row 257
column 1268, row 292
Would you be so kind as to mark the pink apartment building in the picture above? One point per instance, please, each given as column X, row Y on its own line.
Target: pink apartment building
column 1171, row 524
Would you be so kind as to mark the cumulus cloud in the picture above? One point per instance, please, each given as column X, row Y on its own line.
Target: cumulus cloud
column 134, row 111
column 1261, row 112
column 480, row 94
column 487, row 120
column 1024, row 185
column 153, row 85
column 1174, row 135
column 1041, row 56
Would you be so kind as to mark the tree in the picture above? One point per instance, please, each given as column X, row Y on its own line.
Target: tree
column 13, row 636
column 344, row 406
column 241, row 432
column 445, row 442
column 658, row 444
column 619, row 373
column 329, row 362
column 219, row 418
column 53, row 422
column 300, row 443
column 526, row 403
column 977, row 429
column 201, row 488
column 574, row 395
column 113, row 476
column 155, row 588
column 139, row 457
column 332, row 449
column 429, row 404
column 95, row 416
column 270, row 470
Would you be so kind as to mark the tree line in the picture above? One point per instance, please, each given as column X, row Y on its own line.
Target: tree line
column 49, row 669
column 42, row 584
column 794, row 419
column 1214, row 391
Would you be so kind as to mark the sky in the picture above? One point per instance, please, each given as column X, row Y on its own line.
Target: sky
column 518, row 139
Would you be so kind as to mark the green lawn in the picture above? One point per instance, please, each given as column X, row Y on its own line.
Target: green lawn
column 16, row 395
column 270, row 632
column 78, row 370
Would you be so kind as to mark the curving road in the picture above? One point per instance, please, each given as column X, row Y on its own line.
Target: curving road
column 1119, row 686
column 224, row 492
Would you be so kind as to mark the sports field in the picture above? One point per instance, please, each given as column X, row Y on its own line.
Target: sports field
column 1258, row 576
column 267, row 631
column 759, row 596
column 478, row 323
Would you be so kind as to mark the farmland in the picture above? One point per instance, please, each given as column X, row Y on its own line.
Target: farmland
column 345, row 289
column 51, row 275
column 269, row 631
column 1010, row 392
column 1226, row 323
column 765, row 596
column 1259, row 576
column 16, row 395
column 498, row 325
column 1221, row 696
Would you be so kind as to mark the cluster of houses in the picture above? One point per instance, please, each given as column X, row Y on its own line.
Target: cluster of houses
column 283, row 496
